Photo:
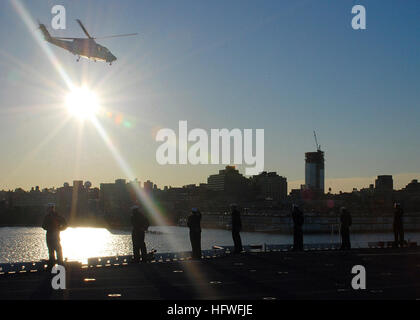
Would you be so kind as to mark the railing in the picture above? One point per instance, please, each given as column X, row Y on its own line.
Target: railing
column 22, row 267
column 216, row 252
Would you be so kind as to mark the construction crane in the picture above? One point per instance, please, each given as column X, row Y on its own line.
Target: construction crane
column 318, row 146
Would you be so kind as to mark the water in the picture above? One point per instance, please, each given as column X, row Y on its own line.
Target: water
column 28, row 243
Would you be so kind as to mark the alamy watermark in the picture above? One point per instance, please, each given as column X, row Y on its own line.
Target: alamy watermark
column 58, row 282
column 359, row 280
column 59, row 20
column 196, row 147
column 359, row 20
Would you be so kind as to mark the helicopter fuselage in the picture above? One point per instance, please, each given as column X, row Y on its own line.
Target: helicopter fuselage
column 86, row 48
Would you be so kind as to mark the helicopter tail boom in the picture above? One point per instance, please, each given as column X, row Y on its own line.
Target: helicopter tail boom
column 45, row 32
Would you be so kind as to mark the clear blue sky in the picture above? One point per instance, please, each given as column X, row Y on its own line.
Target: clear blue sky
column 288, row 67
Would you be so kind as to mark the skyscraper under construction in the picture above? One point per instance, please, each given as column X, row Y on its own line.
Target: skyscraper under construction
column 314, row 169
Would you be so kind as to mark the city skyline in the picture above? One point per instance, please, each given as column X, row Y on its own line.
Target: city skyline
column 351, row 184
column 289, row 68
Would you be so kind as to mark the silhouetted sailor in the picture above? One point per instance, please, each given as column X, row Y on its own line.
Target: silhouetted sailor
column 345, row 223
column 140, row 225
column 54, row 223
column 298, row 219
column 398, row 225
column 194, row 223
column 236, row 228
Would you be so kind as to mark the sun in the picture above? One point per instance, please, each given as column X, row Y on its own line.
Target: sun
column 82, row 103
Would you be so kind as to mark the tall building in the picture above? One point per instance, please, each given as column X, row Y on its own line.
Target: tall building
column 80, row 199
column 73, row 201
column 115, row 198
column 314, row 170
column 228, row 180
column 64, row 199
column 384, row 183
column 271, row 185
column 413, row 186
column 148, row 186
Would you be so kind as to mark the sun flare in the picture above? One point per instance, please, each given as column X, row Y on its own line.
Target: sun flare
column 82, row 103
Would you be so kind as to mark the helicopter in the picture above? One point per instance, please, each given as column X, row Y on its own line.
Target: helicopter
column 83, row 47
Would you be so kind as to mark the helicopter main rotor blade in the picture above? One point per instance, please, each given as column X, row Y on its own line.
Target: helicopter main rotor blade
column 117, row 36
column 83, row 28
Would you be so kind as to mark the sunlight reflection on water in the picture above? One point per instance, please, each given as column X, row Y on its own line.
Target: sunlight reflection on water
column 28, row 243
column 83, row 243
